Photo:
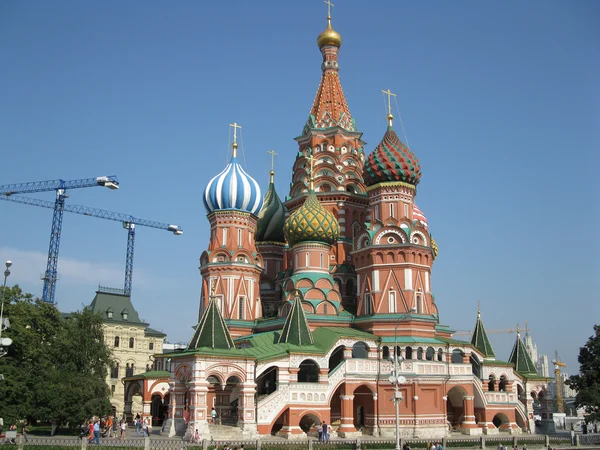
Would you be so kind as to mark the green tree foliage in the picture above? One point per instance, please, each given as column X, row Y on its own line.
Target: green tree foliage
column 56, row 367
column 587, row 383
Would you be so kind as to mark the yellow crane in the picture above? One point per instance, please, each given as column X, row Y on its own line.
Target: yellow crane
column 560, row 401
column 495, row 331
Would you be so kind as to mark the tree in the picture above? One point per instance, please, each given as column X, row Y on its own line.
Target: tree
column 587, row 383
column 56, row 367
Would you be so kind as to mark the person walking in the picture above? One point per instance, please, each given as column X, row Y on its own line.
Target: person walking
column 213, row 415
column 97, row 432
column 123, row 430
column 145, row 427
column 138, row 425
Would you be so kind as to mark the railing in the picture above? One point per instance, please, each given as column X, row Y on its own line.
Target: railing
column 270, row 406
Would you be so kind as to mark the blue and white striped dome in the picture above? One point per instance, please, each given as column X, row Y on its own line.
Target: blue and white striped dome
column 233, row 189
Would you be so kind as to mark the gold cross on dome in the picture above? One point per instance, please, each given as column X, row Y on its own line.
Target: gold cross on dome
column 273, row 155
column 329, row 5
column 389, row 96
column 235, row 127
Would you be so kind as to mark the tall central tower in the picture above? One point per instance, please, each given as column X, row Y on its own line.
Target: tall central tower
column 331, row 138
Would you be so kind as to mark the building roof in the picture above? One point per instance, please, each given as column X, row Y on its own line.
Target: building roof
column 521, row 359
column 151, row 374
column 118, row 304
column 212, row 332
column 266, row 346
column 480, row 339
column 296, row 330
column 152, row 332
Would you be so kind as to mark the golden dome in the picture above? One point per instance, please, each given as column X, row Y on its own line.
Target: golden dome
column 329, row 36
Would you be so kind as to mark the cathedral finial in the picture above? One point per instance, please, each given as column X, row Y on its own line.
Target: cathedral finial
column 311, row 182
column 329, row 5
column 272, row 173
column 234, row 146
column 518, row 331
column 479, row 309
column 329, row 36
column 390, row 117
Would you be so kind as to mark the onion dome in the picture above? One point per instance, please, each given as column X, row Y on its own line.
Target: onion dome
column 392, row 161
column 420, row 217
column 271, row 218
column 233, row 189
column 311, row 222
column 329, row 36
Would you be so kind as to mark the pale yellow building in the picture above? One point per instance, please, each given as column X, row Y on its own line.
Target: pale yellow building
column 133, row 344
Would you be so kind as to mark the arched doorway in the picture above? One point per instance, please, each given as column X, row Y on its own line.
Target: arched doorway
column 500, row 421
column 335, row 406
column 309, row 422
column 228, row 406
column 266, row 383
column 336, row 358
column 455, row 406
column 364, row 409
column 309, row 372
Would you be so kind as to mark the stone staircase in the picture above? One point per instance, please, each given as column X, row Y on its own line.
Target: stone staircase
column 224, row 432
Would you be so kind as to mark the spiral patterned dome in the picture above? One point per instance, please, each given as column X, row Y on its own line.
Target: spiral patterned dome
column 311, row 222
column 234, row 189
column 271, row 218
column 420, row 217
column 392, row 161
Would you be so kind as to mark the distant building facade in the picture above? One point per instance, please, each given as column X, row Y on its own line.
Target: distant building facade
column 133, row 345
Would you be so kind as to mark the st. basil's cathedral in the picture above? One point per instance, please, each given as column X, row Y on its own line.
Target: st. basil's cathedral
column 308, row 305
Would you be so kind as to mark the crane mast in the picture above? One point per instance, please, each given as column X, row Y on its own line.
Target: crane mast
column 8, row 191
column 560, row 401
column 129, row 223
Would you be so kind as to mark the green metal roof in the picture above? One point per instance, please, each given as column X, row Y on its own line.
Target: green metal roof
column 411, row 340
column 296, row 330
column 266, row 346
column 521, row 359
column 480, row 339
column 118, row 303
column 212, row 332
column 153, row 374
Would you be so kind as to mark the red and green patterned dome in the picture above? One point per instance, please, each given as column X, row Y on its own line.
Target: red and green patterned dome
column 392, row 161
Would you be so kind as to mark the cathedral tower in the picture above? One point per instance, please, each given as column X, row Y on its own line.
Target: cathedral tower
column 232, row 200
column 394, row 252
column 330, row 136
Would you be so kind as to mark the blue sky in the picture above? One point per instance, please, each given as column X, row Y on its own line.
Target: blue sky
column 499, row 100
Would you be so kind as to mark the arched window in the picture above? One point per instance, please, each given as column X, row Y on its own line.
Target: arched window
column 408, row 353
column 115, row 371
column 457, row 356
column 475, row 366
column 492, row 384
column 420, row 353
column 386, row 352
column 392, row 302
column 309, row 372
column 129, row 370
column 360, row 350
column 241, row 307
column 117, row 341
column 131, row 342
column 430, row 354
column 502, row 384
column 440, row 355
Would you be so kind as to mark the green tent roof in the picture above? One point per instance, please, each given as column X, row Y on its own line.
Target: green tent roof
column 211, row 332
column 296, row 330
column 521, row 359
column 480, row 339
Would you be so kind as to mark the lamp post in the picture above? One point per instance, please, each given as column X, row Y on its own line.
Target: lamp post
column 396, row 379
column 5, row 341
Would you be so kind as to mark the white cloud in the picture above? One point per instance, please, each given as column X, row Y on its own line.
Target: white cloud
column 29, row 266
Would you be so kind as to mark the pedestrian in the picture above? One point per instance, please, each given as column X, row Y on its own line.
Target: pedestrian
column 197, row 436
column 325, row 432
column 441, row 446
column 320, row 431
column 109, row 426
column 434, row 446
column 149, row 426
column 138, row 425
column 123, row 429
column 97, row 432
column 213, row 415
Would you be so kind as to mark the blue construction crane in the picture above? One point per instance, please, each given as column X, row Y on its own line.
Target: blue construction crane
column 129, row 222
column 61, row 187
